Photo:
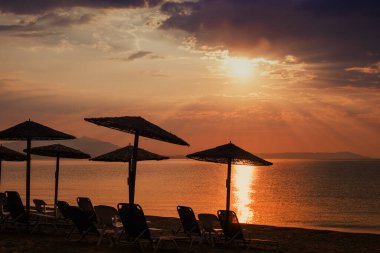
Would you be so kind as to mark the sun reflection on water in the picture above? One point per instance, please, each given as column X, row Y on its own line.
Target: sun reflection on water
column 243, row 180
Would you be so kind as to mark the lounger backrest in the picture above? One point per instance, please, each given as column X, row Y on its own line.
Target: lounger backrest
column 86, row 206
column 133, row 219
column 209, row 221
column 40, row 205
column 189, row 222
column 63, row 208
column 106, row 215
column 81, row 220
column 3, row 203
column 15, row 206
column 232, row 228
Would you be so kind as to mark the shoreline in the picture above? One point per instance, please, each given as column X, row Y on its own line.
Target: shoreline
column 291, row 240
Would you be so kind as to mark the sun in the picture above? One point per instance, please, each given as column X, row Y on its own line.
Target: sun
column 240, row 68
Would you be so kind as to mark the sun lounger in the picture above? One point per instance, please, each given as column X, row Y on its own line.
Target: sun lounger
column 189, row 225
column 42, row 215
column 108, row 220
column 136, row 227
column 41, row 207
column 211, row 228
column 4, row 215
column 86, row 206
column 18, row 216
column 81, row 222
column 63, row 215
column 234, row 235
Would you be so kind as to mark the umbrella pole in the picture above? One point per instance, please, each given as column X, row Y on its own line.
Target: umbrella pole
column 228, row 185
column 0, row 171
column 28, row 158
column 132, row 178
column 56, row 186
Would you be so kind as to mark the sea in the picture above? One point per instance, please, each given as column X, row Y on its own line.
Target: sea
column 328, row 195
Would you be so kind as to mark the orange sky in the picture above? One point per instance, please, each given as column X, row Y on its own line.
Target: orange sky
column 199, row 74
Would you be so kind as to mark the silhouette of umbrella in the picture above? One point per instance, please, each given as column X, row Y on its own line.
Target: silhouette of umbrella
column 58, row 151
column 30, row 130
column 139, row 127
column 7, row 154
column 125, row 155
column 228, row 154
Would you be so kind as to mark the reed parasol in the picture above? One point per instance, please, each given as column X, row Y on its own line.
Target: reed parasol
column 7, row 154
column 228, row 154
column 125, row 155
column 58, row 151
column 30, row 130
column 139, row 127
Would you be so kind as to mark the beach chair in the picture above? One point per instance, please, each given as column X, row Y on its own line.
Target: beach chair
column 63, row 215
column 234, row 235
column 137, row 230
column 211, row 228
column 63, row 210
column 4, row 215
column 189, row 225
column 42, row 211
column 108, row 219
column 81, row 222
column 41, row 207
column 42, row 215
column 16, row 208
column 86, row 206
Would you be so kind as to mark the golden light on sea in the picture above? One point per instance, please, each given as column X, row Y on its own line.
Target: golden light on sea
column 243, row 180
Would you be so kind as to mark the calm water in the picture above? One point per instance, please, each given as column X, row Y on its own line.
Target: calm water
column 338, row 195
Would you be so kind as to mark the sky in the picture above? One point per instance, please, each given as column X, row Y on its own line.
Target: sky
column 268, row 75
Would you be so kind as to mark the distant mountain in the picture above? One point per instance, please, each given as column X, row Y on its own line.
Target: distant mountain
column 88, row 145
column 315, row 155
column 304, row 155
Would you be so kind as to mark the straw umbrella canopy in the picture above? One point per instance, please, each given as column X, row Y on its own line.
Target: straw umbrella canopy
column 30, row 130
column 58, row 151
column 228, row 154
column 125, row 155
column 7, row 154
column 139, row 127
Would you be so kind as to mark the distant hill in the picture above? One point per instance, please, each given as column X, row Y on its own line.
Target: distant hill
column 304, row 155
column 314, row 155
column 88, row 145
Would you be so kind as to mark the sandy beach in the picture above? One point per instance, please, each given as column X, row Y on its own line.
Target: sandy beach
column 291, row 240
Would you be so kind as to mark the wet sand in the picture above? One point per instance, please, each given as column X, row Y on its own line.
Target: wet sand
column 291, row 240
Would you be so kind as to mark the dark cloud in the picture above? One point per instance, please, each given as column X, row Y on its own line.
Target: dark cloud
column 41, row 6
column 39, row 27
column 137, row 55
column 316, row 31
column 54, row 19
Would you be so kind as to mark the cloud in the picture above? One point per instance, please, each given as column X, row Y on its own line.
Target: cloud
column 370, row 70
column 40, row 25
column 320, row 33
column 137, row 55
column 42, row 6
column 64, row 19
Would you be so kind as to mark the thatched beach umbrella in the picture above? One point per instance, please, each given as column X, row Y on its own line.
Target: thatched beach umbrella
column 125, row 155
column 228, row 154
column 139, row 127
column 30, row 130
column 7, row 154
column 58, row 151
